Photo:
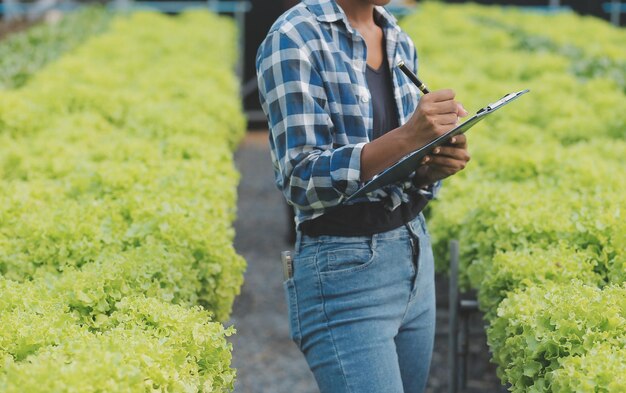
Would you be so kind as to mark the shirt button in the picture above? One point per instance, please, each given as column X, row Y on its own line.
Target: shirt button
column 365, row 99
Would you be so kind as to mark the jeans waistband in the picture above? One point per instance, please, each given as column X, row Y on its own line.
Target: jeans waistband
column 415, row 227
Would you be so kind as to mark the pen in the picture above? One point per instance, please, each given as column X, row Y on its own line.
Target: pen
column 420, row 85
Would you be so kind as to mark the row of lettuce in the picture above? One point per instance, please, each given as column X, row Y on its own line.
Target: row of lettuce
column 117, row 196
column 22, row 55
column 539, row 212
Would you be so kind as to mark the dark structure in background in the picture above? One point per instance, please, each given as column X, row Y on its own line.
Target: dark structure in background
column 258, row 22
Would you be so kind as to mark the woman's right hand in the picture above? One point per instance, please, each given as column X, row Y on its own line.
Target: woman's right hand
column 436, row 114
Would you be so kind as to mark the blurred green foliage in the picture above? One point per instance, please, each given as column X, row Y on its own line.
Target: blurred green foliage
column 117, row 196
column 539, row 211
column 23, row 54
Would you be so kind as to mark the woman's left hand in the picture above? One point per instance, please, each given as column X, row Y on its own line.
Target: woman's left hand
column 444, row 161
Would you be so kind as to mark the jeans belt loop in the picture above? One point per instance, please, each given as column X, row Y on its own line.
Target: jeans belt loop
column 297, row 246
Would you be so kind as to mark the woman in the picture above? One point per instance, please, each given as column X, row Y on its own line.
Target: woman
column 361, row 298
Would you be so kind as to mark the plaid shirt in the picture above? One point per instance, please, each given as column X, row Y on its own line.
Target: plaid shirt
column 311, row 74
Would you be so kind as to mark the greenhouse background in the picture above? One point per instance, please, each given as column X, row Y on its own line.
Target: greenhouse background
column 141, row 230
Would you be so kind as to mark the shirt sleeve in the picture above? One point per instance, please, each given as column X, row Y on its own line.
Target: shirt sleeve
column 310, row 171
column 431, row 191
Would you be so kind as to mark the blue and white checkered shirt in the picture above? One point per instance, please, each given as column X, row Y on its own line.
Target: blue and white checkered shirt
column 313, row 89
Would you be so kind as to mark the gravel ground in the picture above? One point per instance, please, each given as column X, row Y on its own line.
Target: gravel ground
column 266, row 359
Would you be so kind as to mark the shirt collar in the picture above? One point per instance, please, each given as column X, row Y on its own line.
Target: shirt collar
column 388, row 19
column 329, row 11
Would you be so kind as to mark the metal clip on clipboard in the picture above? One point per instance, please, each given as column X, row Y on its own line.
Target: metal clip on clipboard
column 504, row 100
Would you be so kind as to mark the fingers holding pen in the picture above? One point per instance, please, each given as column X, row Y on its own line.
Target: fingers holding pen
column 449, row 119
column 444, row 101
column 440, row 108
column 442, row 95
column 444, row 108
column 461, row 112
column 436, row 114
column 434, row 108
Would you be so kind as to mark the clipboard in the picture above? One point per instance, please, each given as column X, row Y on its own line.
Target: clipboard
column 407, row 165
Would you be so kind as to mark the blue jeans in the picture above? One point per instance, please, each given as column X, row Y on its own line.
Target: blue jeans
column 362, row 309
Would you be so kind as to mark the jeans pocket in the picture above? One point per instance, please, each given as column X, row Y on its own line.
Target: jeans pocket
column 346, row 259
column 291, row 298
